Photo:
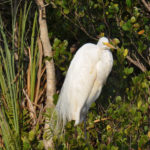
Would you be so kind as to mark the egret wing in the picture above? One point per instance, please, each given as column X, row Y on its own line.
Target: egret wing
column 78, row 83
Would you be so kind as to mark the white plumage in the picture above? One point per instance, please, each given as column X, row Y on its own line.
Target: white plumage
column 85, row 78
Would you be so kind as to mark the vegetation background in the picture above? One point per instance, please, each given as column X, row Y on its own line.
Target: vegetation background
column 120, row 118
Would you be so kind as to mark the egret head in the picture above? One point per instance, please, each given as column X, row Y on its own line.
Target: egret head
column 103, row 43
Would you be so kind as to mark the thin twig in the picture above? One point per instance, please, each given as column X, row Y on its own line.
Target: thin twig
column 84, row 30
column 105, row 19
column 138, row 61
column 138, row 50
column 40, row 114
column 79, row 26
column 99, row 120
column 43, row 70
column 118, row 24
column 41, row 92
column 148, row 59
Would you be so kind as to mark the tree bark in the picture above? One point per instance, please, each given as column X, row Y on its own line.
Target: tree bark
column 50, row 69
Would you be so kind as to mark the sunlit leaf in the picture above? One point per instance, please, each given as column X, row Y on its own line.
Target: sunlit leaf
column 108, row 127
column 136, row 25
column 133, row 19
column 139, row 104
column 148, row 134
column 141, row 32
column 66, row 11
column 125, row 53
column 116, row 41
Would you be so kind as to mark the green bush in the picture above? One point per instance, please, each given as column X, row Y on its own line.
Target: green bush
column 119, row 119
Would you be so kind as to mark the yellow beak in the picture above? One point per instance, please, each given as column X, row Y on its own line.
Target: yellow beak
column 109, row 45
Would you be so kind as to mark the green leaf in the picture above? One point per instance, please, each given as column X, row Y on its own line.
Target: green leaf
column 129, row 3
column 74, row 1
column 118, row 98
column 108, row 127
column 114, row 148
column 55, row 97
column 40, row 145
column 127, row 26
column 56, row 43
column 142, row 140
column 145, row 128
column 115, row 41
column 149, row 100
column 148, row 134
column 139, row 104
column 125, row 53
column 128, row 71
column 32, row 134
column 93, row 105
column 133, row 19
column 66, row 11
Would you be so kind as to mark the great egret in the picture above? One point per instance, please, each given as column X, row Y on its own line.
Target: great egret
column 85, row 78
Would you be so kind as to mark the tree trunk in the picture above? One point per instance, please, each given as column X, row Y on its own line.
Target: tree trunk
column 50, row 69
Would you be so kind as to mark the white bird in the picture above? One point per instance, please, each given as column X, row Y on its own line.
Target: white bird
column 85, row 78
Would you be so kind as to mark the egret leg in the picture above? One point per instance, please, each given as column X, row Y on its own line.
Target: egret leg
column 85, row 133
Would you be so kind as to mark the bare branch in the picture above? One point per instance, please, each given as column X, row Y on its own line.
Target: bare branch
column 137, row 63
column 30, row 107
column 103, row 119
column 140, row 54
column 97, row 121
column 148, row 59
column 147, row 5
